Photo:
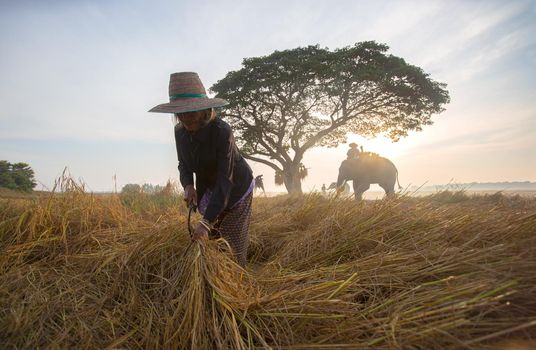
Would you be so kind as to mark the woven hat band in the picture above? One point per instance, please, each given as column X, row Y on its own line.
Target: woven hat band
column 174, row 97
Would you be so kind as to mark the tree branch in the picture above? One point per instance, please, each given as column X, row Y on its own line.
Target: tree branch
column 263, row 161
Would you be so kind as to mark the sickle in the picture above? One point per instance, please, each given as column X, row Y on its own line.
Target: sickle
column 193, row 208
column 190, row 230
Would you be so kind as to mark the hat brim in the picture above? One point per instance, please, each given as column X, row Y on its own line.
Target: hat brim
column 189, row 105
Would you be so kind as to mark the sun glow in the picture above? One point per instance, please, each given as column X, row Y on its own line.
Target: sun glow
column 381, row 145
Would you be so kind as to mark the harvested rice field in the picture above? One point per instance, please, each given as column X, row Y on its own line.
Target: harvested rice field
column 444, row 271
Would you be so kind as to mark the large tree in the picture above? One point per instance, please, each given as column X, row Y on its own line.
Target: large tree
column 285, row 103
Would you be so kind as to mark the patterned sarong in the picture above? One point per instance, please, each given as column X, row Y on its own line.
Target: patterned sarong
column 233, row 223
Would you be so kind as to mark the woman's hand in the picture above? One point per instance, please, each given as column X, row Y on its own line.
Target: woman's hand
column 200, row 232
column 190, row 195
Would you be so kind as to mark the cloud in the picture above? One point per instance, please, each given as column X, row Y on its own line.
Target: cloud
column 461, row 32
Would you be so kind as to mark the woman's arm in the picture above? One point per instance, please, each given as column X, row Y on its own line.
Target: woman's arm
column 226, row 154
column 186, row 174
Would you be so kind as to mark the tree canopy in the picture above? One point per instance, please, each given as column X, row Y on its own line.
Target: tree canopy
column 17, row 176
column 285, row 103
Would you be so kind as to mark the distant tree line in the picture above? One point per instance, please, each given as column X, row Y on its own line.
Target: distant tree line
column 482, row 186
column 17, row 176
column 147, row 195
column 145, row 188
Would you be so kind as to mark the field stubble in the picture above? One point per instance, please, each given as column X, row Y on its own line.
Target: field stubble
column 442, row 271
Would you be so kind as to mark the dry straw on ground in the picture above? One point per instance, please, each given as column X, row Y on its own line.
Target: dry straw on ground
column 445, row 271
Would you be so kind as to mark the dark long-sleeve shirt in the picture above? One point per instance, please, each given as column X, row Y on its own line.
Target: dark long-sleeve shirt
column 211, row 154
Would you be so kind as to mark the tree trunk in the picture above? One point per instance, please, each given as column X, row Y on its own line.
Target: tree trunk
column 292, row 180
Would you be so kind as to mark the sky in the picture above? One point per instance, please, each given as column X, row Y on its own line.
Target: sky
column 78, row 77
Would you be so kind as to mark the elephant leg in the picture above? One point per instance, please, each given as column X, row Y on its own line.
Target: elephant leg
column 389, row 189
column 359, row 189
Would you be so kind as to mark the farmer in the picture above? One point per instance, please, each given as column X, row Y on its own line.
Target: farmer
column 259, row 183
column 205, row 147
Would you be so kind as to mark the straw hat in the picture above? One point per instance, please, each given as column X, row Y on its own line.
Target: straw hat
column 187, row 94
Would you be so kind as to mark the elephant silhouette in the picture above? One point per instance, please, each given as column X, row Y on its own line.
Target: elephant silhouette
column 369, row 169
